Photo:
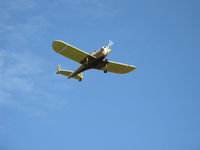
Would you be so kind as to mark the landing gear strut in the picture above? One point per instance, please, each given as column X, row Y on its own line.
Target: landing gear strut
column 87, row 61
column 105, row 71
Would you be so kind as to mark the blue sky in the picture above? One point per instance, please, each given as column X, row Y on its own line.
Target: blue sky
column 155, row 107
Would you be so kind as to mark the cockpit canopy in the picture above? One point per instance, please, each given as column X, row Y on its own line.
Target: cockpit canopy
column 104, row 50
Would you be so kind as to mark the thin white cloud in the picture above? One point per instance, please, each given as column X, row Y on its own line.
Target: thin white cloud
column 19, row 5
column 4, row 98
column 27, row 26
column 16, row 68
column 28, row 84
column 18, row 24
column 11, row 8
column 90, row 10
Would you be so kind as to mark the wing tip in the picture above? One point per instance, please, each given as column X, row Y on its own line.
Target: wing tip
column 128, row 69
column 55, row 42
column 133, row 67
column 58, row 46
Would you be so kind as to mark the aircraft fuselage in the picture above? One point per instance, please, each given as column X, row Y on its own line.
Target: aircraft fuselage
column 93, row 63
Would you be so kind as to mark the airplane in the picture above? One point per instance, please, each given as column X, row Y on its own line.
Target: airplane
column 93, row 60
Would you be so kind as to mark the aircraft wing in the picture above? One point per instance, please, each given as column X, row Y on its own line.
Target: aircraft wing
column 71, row 52
column 116, row 67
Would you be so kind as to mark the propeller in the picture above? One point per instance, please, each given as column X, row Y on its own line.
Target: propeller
column 110, row 43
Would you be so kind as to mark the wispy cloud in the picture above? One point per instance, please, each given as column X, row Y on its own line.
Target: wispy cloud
column 27, row 81
column 90, row 10
column 4, row 98
column 19, row 5
column 16, row 68
column 10, row 9
column 20, row 24
column 27, row 84
column 20, row 19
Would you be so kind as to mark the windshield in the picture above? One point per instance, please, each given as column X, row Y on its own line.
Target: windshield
column 94, row 52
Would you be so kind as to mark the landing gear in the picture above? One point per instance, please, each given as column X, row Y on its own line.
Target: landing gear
column 80, row 80
column 105, row 71
column 87, row 61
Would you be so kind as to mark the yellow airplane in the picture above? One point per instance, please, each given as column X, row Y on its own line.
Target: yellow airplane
column 94, row 60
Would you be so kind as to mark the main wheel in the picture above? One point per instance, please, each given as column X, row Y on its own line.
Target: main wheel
column 105, row 71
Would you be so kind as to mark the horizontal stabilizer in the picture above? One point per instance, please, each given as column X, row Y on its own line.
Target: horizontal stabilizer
column 68, row 72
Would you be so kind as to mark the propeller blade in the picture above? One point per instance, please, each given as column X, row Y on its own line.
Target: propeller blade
column 110, row 43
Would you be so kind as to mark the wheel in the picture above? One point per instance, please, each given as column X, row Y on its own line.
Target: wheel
column 80, row 80
column 105, row 71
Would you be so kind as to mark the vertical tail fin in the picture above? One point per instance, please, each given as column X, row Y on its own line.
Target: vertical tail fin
column 58, row 69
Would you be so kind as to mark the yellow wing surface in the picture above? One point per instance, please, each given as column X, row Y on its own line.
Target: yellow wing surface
column 116, row 67
column 70, row 52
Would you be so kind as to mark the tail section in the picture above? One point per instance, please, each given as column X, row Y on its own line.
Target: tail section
column 57, row 69
column 68, row 72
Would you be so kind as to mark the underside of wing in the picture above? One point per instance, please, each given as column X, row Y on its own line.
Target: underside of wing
column 71, row 52
column 115, row 67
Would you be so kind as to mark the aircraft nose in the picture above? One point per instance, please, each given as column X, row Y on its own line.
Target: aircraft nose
column 108, row 50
